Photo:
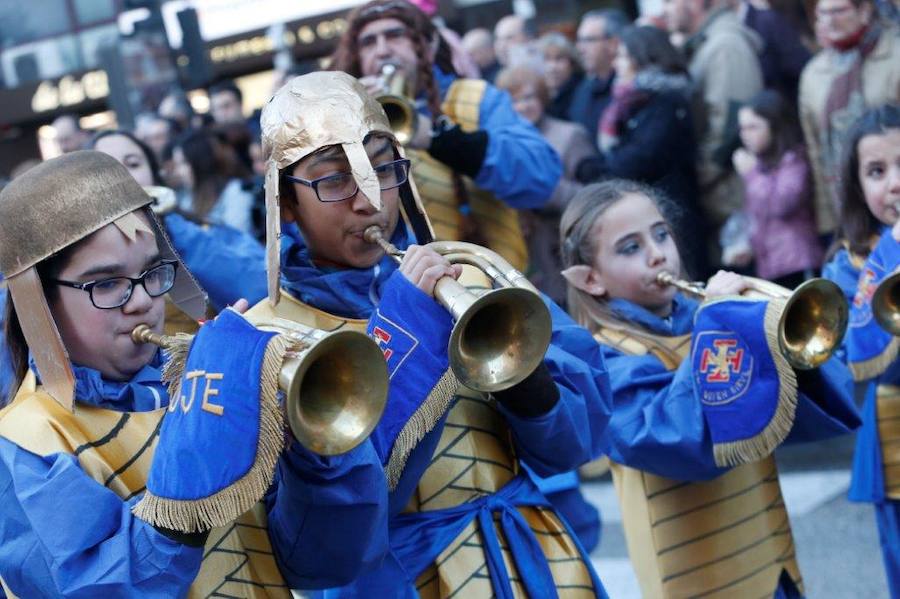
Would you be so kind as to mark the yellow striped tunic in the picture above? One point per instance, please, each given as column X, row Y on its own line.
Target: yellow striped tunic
column 727, row 537
column 116, row 450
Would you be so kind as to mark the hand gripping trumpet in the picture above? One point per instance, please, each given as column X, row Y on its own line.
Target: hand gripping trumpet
column 400, row 110
column 335, row 385
column 812, row 323
column 498, row 338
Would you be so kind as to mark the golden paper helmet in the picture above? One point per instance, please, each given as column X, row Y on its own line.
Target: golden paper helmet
column 52, row 206
column 310, row 112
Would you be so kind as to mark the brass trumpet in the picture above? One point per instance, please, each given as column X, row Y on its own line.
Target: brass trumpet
column 335, row 386
column 498, row 338
column 400, row 110
column 812, row 322
column 886, row 299
column 886, row 304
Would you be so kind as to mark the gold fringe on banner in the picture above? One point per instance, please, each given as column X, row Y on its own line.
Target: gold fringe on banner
column 764, row 443
column 419, row 425
column 224, row 506
column 176, row 356
column 875, row 367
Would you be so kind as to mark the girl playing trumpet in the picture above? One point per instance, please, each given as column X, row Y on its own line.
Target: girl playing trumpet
column 78, row 437
column 870, row 207
column 692, row 525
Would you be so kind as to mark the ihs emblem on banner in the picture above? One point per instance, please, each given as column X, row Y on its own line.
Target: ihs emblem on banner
column 723, row 367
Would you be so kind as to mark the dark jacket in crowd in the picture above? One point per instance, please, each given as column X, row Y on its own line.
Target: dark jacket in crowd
column 559, row 107
column 783, row 55
column 589, row 100
column 489, row 73
column 656, row 145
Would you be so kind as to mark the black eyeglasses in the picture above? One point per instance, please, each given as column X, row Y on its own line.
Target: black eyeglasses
column 342, row 186
column 115, row 292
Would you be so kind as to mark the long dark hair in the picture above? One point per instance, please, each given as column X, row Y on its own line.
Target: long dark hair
column 772, row 107
column 213, row 163
column 153, row 164
column 149, row 155
column 422, row 33
column 858, row 224
column 649, row 46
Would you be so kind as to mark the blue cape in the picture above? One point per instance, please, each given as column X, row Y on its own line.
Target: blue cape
column 222, row 433
column 747, row 389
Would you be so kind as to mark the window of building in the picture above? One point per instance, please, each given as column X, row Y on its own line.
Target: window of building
column 88, row 12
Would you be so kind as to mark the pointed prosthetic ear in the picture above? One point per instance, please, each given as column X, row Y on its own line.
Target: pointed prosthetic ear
column 583, row 277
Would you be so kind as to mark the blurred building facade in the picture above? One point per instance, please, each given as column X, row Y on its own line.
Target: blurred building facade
column 88, row 57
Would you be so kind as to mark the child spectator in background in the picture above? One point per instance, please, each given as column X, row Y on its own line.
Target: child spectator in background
column 777, row 192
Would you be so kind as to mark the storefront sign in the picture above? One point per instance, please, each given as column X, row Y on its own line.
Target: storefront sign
column 69, row 91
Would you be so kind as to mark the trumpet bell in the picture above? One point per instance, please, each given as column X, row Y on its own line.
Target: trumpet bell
column 886, row 304
column 401, row 116
column 813, row 323
column 335, row 392
column 400, row 110
column 500, row 339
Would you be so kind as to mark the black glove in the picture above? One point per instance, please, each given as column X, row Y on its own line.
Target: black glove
column 533, row 397
column 463, row 152
column 191, row 539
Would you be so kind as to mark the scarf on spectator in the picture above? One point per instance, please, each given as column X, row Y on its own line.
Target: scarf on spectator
column 845, row 102
column 629, row 98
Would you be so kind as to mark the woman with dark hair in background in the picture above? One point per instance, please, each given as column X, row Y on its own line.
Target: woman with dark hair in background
column 228, row 263
column 646, row 133
column 212, row 174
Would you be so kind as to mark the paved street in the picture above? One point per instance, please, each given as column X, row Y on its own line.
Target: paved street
column 837, row 543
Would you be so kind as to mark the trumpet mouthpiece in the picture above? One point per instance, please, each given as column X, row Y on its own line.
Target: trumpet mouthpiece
column 372, row 234
column 141, row 334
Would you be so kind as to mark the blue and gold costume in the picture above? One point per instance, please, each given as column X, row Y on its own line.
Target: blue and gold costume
column 519, row 171
column 726, row 533
column 464, row 518
column 876, row 460
column 77, row 451
column 96, row 461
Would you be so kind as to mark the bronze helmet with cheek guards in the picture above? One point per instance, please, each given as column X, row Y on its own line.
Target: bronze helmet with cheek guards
column 47, row 209
column 310, row 112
